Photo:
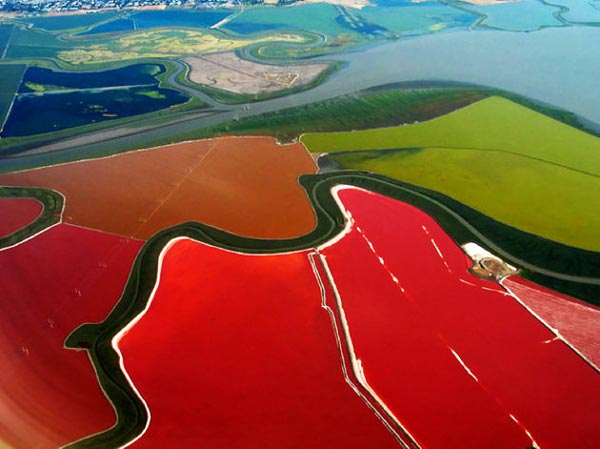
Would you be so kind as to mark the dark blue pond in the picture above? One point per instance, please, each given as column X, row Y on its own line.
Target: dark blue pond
column 250, row 28
column 50, row 101
column 112, row 27
column 181, row 18
column 41, row 113
column 127, row 76
column 54, row 23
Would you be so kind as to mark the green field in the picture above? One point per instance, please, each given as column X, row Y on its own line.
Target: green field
column 513, row 164
column 9, row 83
column 492, row 124
column 511, row 188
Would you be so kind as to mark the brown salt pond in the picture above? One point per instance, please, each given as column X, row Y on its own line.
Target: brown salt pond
column 244, row 185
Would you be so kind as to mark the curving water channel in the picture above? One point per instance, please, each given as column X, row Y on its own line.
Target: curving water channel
column 557, row 66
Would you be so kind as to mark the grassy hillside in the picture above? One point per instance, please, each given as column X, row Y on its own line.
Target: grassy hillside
column 508, row 162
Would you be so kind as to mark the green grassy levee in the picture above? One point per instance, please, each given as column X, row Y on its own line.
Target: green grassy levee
column 389, row 105
column 52, row 203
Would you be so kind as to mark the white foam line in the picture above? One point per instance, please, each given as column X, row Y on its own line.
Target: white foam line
column 548, row 326
column 464, row 281
column 550, row 340
column 117, row 338
column 349, row 220
column 480, row 287
column 381, row 260
column 513, row 417
column 355, row 362
column 440, row 254
column 500, row 292
column 527, row 432
column 436, row 248
column 348, row 380
column 463, row 364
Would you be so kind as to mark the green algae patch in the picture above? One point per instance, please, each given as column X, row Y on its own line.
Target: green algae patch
column 513, row 164
column 541, row 198
column 157, row 95
column 491, row 124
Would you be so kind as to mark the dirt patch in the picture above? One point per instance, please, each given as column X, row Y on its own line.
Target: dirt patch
column 485, row 264
column 245, row 185
column 226, row 71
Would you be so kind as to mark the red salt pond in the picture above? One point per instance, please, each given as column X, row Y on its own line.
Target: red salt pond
column 16, row 213
column 458, row 361
column 235, row 351
column 49, row 396
column 576, row 322
column 240, row 350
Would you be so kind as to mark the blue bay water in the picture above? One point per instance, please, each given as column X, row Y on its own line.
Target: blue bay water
column 179, row 18
column 579, row 10
column 112, row 27
column 558, row 66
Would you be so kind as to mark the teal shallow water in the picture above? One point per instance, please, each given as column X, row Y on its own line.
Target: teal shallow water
column 526, row 15
column 418, row 17
column 579, row 11
column 316, row 17
column 558, row 66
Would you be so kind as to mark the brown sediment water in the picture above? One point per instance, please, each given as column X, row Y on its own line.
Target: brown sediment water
column 244, row 185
